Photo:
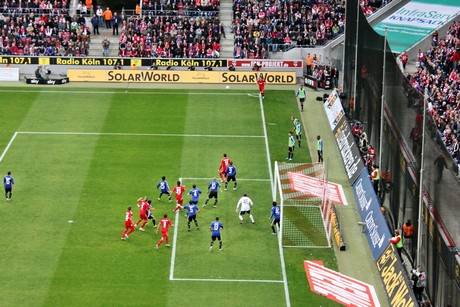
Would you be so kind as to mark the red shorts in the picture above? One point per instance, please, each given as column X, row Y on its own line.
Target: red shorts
column 129, row 224
column 164, row 233
column 180, row 200
column 143, row 215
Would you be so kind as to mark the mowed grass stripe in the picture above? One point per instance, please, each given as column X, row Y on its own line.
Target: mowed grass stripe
column 67, row 112
column 51, row 174
column 49, row 177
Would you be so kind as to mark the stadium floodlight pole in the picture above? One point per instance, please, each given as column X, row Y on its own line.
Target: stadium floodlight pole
column 383, row 98
column 358, row 7
column 422, row 170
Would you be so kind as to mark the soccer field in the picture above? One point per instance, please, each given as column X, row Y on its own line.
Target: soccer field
column 81, row 157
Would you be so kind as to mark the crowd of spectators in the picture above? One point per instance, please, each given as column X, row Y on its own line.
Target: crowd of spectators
column 46, row 35
column 37, row 7
column 171, row 37
column 258, row 26
column 42, row 28
column 262, row 26
column 176, row 29
column 273, row 25
column 439, row 72
column 369, row 7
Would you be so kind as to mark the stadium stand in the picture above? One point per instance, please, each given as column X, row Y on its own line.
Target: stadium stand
column 278, row 26
column 50, row 7
column 281, row 25
column 46, row 28
column 438, row 72
column 171, row 36
column 42, row 28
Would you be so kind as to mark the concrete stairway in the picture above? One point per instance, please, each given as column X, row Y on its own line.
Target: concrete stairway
column 95, row 46
column 226, row 16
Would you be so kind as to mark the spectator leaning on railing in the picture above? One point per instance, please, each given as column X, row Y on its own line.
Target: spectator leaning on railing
column 182, row 8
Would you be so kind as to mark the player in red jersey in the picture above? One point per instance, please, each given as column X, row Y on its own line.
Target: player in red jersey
column 261, row 83
column 144, row 212
column 164, row 223
column 129, row 226
column 223, row 166
column 179, row 190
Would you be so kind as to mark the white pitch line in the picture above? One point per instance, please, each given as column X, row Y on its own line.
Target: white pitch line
column 173, row 252
column 280, row 247
column 130, row 92
column 230, row 280
column 8, row 146
column 140, row 134
column 243, row 179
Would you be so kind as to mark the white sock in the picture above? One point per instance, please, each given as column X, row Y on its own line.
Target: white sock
column 252, row 219
column 241, row 217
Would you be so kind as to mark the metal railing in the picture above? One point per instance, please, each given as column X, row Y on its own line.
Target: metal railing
column 194, row 12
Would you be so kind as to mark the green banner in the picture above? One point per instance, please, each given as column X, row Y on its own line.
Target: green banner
column 416, row 20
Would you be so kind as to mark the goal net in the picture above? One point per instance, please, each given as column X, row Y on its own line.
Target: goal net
column 302, row 193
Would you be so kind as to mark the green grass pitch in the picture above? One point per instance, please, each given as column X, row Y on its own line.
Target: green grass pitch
column 81, row 157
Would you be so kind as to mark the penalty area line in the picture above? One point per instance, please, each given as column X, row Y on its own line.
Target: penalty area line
column 8, row 146
column 229, row 280
column 174, row 243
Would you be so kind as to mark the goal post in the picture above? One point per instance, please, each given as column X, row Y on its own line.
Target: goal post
column 302, row 193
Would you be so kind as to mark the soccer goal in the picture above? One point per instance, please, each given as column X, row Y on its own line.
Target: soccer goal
column 302, row 193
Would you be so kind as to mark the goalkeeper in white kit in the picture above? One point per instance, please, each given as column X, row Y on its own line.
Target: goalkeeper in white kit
column 244, row 206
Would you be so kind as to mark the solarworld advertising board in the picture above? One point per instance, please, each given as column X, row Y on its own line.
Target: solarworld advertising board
column 178, row 76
